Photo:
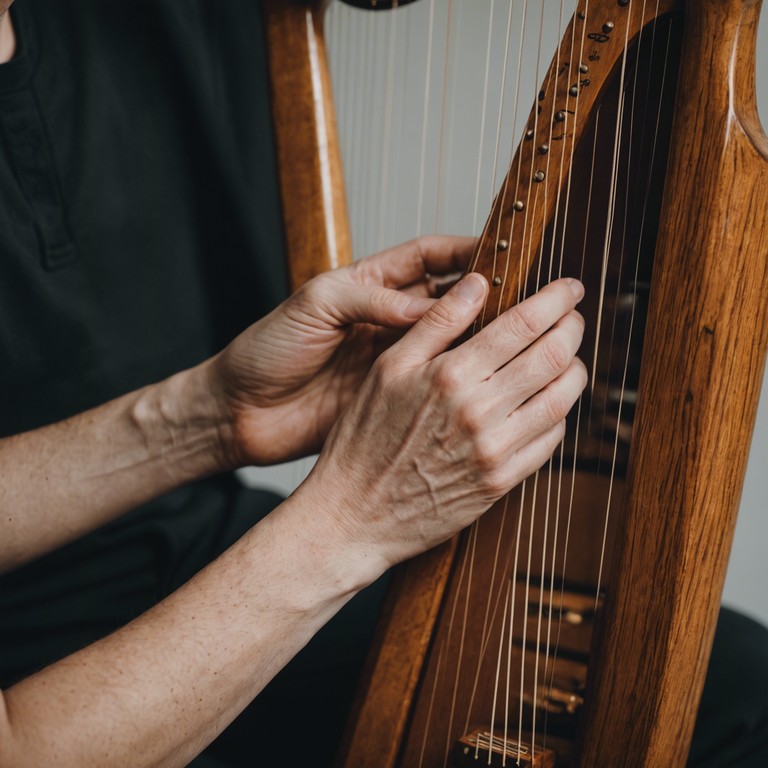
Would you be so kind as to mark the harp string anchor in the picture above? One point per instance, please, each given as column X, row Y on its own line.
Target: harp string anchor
column 480, row 747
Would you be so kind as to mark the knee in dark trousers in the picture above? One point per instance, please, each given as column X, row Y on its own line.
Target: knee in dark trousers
column 732, row 724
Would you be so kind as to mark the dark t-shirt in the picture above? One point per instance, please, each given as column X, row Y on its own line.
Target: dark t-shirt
column 139, row 225
column 139, row 232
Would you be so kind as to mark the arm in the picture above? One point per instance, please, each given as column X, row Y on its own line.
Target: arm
column 413, row 459
column 159, row 690
column 272, row 395
column 60, row 482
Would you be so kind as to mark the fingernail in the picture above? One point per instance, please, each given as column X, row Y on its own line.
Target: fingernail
column 576, row 287
column 471, row 288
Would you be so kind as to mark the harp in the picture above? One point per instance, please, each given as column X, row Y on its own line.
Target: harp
column 572, row 624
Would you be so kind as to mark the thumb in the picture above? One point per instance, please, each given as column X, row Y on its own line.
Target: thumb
column 446, row 320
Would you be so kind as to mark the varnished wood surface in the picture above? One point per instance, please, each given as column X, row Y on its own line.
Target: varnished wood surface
column 314, row 207
column 707, row 333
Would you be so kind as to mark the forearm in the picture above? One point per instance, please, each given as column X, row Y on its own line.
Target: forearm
column 59, row 482
column 160, row 689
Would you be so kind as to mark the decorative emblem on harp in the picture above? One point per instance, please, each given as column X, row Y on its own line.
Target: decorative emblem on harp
column 487, row 654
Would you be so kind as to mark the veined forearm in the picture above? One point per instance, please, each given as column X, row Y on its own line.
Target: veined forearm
column 61, row 481
column 160, row 689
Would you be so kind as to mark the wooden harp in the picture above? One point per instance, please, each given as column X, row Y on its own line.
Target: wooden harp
column 572, row 624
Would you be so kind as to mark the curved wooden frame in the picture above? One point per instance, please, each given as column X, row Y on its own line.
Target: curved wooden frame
column 698, row 395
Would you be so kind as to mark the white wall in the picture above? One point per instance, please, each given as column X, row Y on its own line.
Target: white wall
column 412, row 165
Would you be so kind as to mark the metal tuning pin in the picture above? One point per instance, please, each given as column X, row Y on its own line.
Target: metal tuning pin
column 502, row 245
column 519, row 205
column 539, row 176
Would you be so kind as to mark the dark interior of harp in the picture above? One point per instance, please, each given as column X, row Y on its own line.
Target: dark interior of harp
column 528, row 667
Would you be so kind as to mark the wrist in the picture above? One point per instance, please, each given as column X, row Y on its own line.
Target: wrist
column 345, row 564
column 181, row 420
column 348, row 562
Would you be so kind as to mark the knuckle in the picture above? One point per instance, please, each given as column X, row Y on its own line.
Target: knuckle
column 425, row 244
column 525, row 321
column 495, row 483
column 558, row 433
column 581, row 373
column 557, row 356
column 486, row 460
column 579, row 319
column 441, row 314
column 384, row 368
column 557, row 404
column 449, row 378
column 315, row 288
column 470, row 419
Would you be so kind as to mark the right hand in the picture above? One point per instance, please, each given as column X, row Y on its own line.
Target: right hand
column 436, row 434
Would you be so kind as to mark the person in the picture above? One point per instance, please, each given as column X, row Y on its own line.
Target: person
column 147, row 598
column 411, row 453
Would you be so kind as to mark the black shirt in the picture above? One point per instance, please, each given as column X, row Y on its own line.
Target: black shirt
column 139, row 223
column 139, row 232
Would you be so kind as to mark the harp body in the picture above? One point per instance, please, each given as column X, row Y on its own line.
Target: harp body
column 635, row 609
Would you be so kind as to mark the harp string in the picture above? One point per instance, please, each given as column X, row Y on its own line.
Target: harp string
column 424, row 121
column 502, row 605
column 443, row 106
column 555, row 536
column 483, row 110
column 634, row 302
column 385, row 155
column 549, row 473
column 498, row 141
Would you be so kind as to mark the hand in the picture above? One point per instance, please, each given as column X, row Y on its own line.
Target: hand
column 436, row 435
column 286, row 379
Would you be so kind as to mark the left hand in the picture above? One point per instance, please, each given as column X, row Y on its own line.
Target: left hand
column 285, row 380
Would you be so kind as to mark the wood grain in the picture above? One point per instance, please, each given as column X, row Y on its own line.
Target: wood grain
column 312, row 193
column 704, row 359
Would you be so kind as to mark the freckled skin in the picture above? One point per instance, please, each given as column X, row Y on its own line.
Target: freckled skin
column 418, row 435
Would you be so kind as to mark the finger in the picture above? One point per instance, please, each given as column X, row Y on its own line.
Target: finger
column 446, row 320
column 517, row 328
column 533, row 455
column 551, row 405
column 372, row 304
column 414, row 261
column 546, row 359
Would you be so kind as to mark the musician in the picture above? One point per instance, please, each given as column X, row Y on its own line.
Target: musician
column 147, row 597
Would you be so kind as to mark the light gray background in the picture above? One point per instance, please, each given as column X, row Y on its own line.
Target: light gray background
column 412, row 163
